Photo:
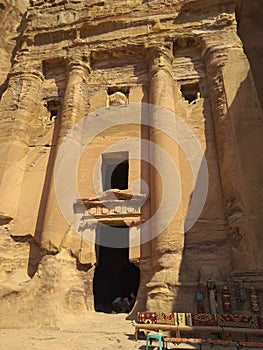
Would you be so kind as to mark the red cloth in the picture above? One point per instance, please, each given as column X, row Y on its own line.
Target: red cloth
column 146, row 317
column 166, row 318
column 251, row 344
column 204, row 320
column 188, row 340
column 176, row 340
column 240, row 321
column 223, row 342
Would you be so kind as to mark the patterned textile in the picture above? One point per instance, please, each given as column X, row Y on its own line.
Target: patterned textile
column 226, row 300
column 146, row 317
column 204, row 320
column 199, row 296
column 240, row 295
column 254, row 300
column 188, row 340
column 195, row 340
column 240, row 321
column 223, row 342
column 176, row 340
column 200, row 308
column 188, row 317
column 181, row 319
column 249, row 344
column 166, row 318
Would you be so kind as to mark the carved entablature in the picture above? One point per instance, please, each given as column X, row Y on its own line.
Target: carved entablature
column 112, row 204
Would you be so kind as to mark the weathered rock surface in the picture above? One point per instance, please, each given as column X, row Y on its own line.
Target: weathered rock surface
column 61, row 60
column 11, row 17
column 49, row 297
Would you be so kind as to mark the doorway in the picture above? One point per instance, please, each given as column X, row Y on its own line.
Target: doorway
column 115, row 276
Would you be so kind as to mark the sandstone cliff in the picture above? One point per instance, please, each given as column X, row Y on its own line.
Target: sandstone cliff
column 61, row 60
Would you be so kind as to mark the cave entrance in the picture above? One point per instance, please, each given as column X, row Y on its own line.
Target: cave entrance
column 115, row 276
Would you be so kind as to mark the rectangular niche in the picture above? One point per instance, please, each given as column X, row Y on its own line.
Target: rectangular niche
column 54, row 67
column 115, row 170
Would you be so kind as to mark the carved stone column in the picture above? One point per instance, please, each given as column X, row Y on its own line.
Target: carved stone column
column 55, row 227
column 238, row 130
column 168, row 244
column 19, row 121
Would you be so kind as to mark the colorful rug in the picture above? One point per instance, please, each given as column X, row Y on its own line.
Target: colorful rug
column 226, row 300
column 204, row 320
column 240, row 321
column 199, row 298
column 188, row 317
column 166, row 318
column 200, row 308
column 181, row 319
column 146, row 317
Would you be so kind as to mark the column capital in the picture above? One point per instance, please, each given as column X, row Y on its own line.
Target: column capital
column 214, row 48
column 78, row 61
column 32, row 73
column 159, row 58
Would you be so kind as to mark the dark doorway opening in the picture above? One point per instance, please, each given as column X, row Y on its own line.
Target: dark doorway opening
column 115, row 170
column 119, row 176
column 115, row 276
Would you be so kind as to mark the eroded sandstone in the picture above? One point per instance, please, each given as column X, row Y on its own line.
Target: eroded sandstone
column 73, row 58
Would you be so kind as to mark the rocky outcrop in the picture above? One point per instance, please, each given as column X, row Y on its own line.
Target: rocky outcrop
column 100, row 58
column 12, row 18
column 48, row 297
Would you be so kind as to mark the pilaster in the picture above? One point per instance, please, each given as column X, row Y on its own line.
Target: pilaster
column 18, row 126
column 238, row 129
column 55, row 227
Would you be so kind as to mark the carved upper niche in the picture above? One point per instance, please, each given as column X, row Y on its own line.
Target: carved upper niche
column 54, row 37
column 118, row 96
column 53, row 67
column 186, row 41
column 191, row 92
column 116, row 56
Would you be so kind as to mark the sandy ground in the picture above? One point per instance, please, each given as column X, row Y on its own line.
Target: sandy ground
column 99, row 332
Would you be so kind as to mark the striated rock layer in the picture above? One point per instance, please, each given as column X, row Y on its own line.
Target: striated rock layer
column 65, row 59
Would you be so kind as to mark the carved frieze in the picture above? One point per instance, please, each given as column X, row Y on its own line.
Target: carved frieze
column 112, row 204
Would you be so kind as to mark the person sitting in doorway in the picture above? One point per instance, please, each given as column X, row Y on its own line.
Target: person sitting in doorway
column 123, row 304
column 132, row 299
